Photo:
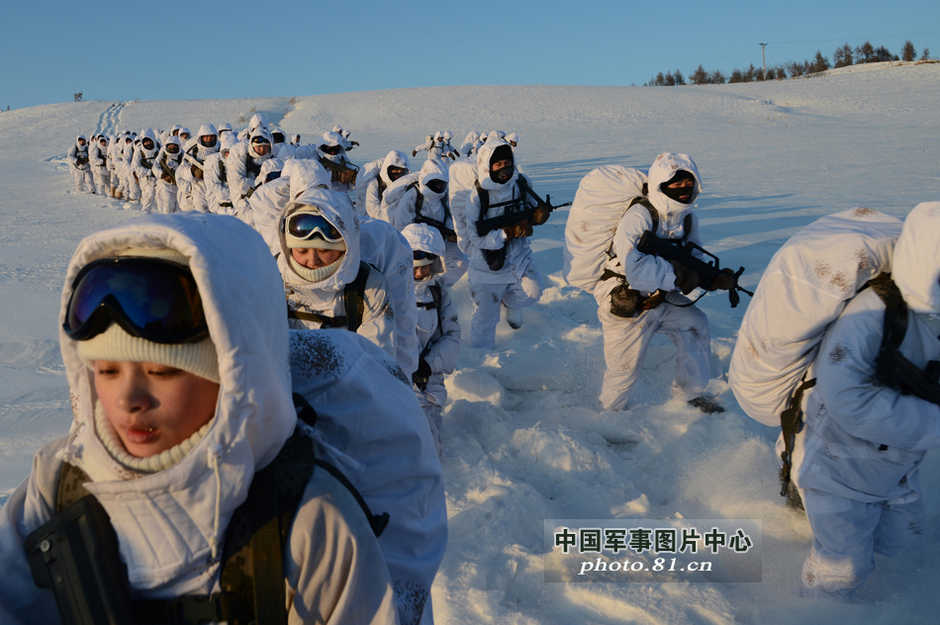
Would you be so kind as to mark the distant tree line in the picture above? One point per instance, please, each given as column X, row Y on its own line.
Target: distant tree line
column 843, row 56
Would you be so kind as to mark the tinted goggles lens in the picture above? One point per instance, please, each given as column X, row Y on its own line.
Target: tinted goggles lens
column 306, row 225
column 153, row 299
column 422, row 255
column 332, row 150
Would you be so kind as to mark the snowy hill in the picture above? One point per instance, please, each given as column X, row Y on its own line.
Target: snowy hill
column 524, row 438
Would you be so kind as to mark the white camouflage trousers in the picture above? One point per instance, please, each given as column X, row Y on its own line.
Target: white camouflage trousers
column 626, row 341
column 847, row 534
column 81, row 180
column 487, row 299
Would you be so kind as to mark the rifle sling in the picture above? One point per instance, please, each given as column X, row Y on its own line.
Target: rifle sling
column 441, row 226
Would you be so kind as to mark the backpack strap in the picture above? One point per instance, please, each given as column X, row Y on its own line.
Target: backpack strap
column 484, row 199
column 354, row 298
column 419, row 202
column 307, row 415
column 791, row 422
column 892, row 368
column 382, row 186
column 654, row 215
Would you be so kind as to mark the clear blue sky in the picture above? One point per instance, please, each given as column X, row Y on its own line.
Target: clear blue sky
column 200, row 49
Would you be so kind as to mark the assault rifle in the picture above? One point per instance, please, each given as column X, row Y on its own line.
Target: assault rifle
column 194, row 164
column 681, row 252
column 167, row 173
column 527, row 209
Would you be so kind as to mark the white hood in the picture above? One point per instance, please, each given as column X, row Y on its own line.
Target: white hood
column 305, row 173
column 173, row 159
column 339, row 211
column 170, row 521
column 201, row 150
column 422, row 237
column 156, row 144
column 432, row 170
column 394, row 158
column 663, row 169
column 331, row 139
column 916, row 264
column 484, row 154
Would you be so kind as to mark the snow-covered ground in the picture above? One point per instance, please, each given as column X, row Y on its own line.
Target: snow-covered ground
column 524, row 439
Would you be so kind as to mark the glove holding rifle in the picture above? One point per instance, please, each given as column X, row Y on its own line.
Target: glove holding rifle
column 692, row 271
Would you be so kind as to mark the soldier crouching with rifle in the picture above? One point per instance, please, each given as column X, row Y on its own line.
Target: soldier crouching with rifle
column 654, row 255
column 498, row 211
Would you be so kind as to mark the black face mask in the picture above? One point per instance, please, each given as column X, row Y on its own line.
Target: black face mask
column 501, row 176
column 436, row 185
column 683, row 195
column 394, row 173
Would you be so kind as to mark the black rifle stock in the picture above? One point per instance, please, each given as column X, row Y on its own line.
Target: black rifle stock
column 681, row 252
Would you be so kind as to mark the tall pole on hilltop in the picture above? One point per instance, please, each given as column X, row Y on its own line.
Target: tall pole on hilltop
column 763, row 59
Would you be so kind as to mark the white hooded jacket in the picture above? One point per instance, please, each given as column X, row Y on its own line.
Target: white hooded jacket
column 78, row 153
column 645, row 272
column 467, row 207
column 403, row 210
column 438, row 330
column 864, row 441
column 326, row 296
column 171, row 524
column 375, row 207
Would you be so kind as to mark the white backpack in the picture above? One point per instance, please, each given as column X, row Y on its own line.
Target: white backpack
column 463, row 178
column 603, row 196
column 367, row 173
column 805, row 287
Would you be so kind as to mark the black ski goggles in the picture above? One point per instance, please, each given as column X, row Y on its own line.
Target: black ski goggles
column 307, row 225
column 149, row 298
column 332, row 150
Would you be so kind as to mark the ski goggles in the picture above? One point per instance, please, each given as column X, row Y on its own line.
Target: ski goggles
column 150, row 298
column 332, row 150
column 422, row 258
column 304, row 226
